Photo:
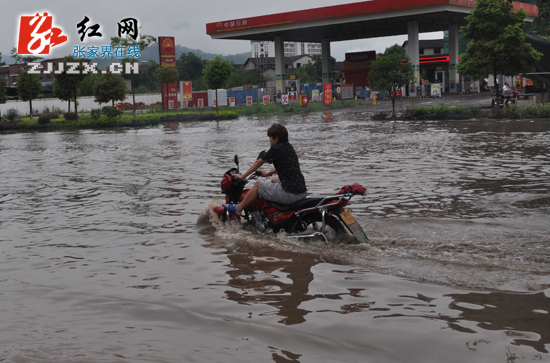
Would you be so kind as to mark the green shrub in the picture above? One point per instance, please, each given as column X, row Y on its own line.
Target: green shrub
column 95, row 113
column 11, row 114
column 155, row 109
column 539, row 110
column 475, row 111
column 69, row 116
column 54, row 112
column 111, row 112
column 512, row 112
column 44, row 120
column 141, row 89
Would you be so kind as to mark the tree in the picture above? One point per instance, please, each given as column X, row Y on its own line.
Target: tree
column 3, row 95
column 396, row 49
column 23, row 58
column 62, row 92
column 544, row 15
column 110, row 87
column 304, row 75
column 390, row 71
column 70, row 83
column 314, row 69
column 241, row 77
column 216, row 73
column 87, row 86
column 166, row 75
column 143, row 42
column 2, row 63
column 28, row 88
column 497, row 41
column 147, row 77
column 190, row 66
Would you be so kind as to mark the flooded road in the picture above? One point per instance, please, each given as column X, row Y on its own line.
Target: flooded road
column 108, row 253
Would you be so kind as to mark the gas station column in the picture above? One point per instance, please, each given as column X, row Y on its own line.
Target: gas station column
column 453, row 57
column 413, row 53
column 325, row 60
column 279, row 63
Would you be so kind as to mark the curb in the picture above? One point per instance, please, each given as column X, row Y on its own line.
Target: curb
column 404, row 98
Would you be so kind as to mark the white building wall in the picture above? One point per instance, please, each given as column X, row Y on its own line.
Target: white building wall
column 85, row 104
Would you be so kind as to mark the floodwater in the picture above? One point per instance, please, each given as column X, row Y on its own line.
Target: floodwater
column 108, row 253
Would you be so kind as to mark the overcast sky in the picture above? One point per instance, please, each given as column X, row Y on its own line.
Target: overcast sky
column 185, row 20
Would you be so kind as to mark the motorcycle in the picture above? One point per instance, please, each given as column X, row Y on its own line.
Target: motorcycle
column 307, row 218
column 498, row 102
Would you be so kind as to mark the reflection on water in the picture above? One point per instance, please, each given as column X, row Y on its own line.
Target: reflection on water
column 521, row 316
column 101, row 257
column 264, row 278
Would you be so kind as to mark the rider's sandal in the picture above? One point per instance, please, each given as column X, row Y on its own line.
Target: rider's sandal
column 233, row 210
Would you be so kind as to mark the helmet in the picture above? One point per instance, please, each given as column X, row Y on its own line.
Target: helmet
column 226, row 183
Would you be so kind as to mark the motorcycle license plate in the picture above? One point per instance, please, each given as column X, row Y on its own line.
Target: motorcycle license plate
column 354, row 227
column 348, row 217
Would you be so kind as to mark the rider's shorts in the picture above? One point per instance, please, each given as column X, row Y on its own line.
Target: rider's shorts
column 274, row 192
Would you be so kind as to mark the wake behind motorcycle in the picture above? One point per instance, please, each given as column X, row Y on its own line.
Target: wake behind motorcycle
column 498, row 102
column 310, row 217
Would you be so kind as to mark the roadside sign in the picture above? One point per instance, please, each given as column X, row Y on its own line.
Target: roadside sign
column 315, row 95
column 249, row 100
column 266, row 100
column 200, row 103
column 304, row 100
column 232, row 101
column 436, row 90
column 187, row 90
column 284, row 99
column 338, row 90
column 327, row 94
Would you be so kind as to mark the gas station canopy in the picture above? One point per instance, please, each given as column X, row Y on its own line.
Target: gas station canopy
column 366, row 19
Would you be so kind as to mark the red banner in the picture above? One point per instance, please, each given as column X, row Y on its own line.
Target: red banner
column 327, row 94
column 187, row 90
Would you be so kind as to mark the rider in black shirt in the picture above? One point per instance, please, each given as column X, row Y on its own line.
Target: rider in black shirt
column 289, row 187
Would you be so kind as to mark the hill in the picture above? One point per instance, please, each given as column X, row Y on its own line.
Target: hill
column 152, row 52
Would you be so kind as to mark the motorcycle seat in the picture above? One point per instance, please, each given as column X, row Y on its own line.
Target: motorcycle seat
column 308, row 202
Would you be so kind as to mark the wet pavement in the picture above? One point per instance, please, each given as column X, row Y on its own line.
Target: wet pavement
column 481, row 100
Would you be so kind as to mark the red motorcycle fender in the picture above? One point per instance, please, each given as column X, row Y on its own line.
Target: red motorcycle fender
column 218, row 210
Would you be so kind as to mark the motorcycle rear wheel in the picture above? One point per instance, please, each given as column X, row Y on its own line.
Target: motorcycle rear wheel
column 334, row 229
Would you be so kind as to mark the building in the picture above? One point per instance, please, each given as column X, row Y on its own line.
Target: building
column 5, row 73
column 291, row 49
column 45, row 78
column 434, row 61
column 265, row 66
